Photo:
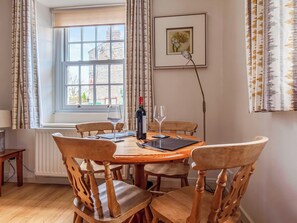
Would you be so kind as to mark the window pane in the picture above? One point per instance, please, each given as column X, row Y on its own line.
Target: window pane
column 87, row 75
column 91, row 76
column 74, row 52
column 74, row 34
column 103, row 51
column 103, row 33
column 117, row 51
column 118, row 32
column 117, row 94
column 89, row 51
column 116, row 74
column 87, row 95
column 89, row 33
column 72, row 95
column 102, row 74
column 72, row 76
column 102, row 95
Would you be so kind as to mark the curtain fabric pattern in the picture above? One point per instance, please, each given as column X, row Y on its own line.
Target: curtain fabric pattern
column 271, row 26
column 138, row 59
column 25, row 99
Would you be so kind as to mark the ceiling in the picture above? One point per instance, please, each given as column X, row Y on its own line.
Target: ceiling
column 68, row 3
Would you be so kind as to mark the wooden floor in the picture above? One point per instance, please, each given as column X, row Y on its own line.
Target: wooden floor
column 36, row 203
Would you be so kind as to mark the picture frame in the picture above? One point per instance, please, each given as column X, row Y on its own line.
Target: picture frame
column 174, row 34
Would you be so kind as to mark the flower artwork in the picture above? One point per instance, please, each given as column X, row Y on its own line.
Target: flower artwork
column 179, row 39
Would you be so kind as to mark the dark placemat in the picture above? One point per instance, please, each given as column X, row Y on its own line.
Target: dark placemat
column 170, row 143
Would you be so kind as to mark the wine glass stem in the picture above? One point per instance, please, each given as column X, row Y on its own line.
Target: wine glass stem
column 160, row 123
column 114, row 132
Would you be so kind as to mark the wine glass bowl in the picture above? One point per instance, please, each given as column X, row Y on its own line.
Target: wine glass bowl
column 114, row 116
column 159, row 116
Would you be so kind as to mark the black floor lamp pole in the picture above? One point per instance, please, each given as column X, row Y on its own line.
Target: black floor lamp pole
column 203, row 100
column 187, row 55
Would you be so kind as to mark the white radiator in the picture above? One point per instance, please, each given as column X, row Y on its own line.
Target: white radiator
column 48, row 159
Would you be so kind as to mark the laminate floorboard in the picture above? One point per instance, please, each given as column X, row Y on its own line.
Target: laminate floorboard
column 36, row 203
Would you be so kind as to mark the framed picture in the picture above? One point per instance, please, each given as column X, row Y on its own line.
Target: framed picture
column 179, row 40
column 175, row 34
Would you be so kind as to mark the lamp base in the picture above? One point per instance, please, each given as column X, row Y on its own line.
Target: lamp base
column 2, row 141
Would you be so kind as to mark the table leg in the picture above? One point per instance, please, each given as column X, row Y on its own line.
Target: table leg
column 139, row 180
column 19, row 164
column 2, row 172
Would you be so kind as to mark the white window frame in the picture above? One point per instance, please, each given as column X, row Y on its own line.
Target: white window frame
column 61, row 46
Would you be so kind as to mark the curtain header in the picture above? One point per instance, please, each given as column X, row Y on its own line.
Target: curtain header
column 89, row 16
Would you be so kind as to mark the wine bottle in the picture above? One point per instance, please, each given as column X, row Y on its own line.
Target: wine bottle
column 140, row 121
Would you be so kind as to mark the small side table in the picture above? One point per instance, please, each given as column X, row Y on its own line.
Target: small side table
column 18, row 155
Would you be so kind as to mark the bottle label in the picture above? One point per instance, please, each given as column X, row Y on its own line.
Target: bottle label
column 144, row 129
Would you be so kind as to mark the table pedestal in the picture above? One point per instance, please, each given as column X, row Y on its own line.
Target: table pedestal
column 139, row 178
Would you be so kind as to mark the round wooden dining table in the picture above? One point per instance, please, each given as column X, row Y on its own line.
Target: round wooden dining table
column 128, row 152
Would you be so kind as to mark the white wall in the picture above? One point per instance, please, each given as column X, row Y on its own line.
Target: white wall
column 272, row 193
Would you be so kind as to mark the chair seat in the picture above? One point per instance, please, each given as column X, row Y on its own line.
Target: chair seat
column 130, row 198
column 171, row 169
column 176, row 206
column 99, row 168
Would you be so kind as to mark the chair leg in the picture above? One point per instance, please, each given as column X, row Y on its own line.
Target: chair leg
column 186, row 181
column 77, row 218
column 155, row 220
column 148, row 214
column 115, row 175
column 87, row 179
column 74, row 217
column 119, row 175
column 182, row 183
column 158, row 183
column 146, row 177
column 155, row 216
column 131, row 219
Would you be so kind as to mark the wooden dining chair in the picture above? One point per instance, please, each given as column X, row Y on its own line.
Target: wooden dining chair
column 92, row 129
column 172, row 169
column 113, row 201
column 194, row 204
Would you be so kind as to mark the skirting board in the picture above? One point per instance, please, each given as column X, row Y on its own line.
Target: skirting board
column 245, row 218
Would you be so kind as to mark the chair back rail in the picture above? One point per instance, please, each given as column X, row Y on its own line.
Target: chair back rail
column 93, row 128
column 223, row 157
column 175, row 126
column 89, row 149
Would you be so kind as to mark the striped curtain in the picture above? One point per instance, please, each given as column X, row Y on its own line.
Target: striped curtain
column 271, row 30
column 25, row 99
column 138, row 59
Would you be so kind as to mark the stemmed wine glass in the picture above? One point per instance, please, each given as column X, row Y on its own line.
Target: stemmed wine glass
column 114, row 116
column 159, row 116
